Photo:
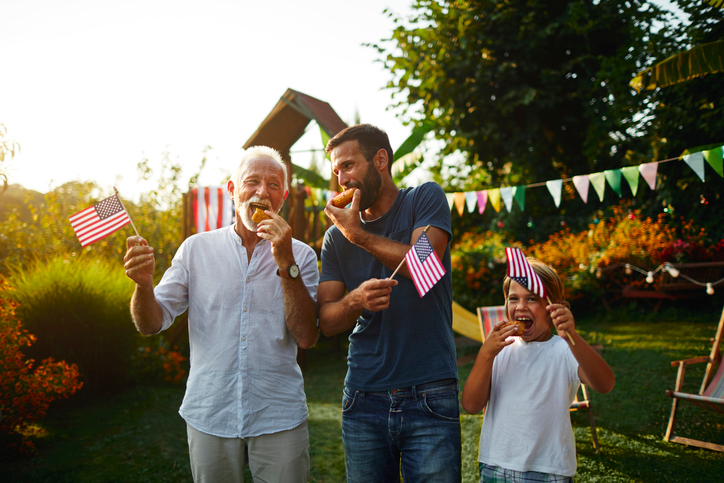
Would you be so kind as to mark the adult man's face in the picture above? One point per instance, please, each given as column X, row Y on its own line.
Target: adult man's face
column 259, row 184
column 354, row 171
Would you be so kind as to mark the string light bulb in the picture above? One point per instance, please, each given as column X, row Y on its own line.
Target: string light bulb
column 709, row 289
column 672, row 270
column 650, row 277
column 628, row 269
column 599, row 273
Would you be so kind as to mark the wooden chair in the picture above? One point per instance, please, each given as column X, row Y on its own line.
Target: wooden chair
column 711, row 393
column 489, row 316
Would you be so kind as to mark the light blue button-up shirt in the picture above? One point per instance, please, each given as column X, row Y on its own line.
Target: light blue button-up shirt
column 244, row 379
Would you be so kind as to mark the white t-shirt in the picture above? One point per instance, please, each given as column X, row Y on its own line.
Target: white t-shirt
column 527, row 425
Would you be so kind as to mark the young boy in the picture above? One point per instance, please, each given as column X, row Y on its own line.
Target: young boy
column 529, row 383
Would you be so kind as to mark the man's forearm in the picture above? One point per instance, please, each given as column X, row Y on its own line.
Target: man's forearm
column 146, row 311
column 336, row 317
column 300, row 313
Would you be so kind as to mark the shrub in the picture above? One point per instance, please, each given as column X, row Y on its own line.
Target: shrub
column 78, row 308
column 26, row 389
column 478, row 267
column 155, row 361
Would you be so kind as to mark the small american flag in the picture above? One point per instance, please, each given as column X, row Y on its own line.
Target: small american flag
column 424, row 265
column 520, row 270
column 100, row 220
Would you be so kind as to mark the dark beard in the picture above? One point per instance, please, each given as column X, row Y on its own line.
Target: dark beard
column 370, row 188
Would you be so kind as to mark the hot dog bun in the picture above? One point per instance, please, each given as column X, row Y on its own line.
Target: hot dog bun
column 520, row 325
column 259, row 215
column 344, row 198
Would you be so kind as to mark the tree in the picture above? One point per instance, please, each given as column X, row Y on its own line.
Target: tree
column 526, row 91
column 690, row 116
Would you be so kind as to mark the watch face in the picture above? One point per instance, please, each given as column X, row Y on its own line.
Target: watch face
column 294, row 271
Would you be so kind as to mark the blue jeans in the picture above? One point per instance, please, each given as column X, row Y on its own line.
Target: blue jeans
column 415, row 430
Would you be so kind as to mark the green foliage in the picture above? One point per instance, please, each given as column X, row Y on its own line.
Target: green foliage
column 41, row 230
column 523, row 89
column 78, row 309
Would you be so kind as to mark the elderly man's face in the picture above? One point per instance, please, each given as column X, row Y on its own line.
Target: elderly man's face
column 260, row 184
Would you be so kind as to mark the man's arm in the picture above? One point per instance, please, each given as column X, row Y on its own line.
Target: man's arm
column 139, row 264
column 300, row 310
column 339, row 312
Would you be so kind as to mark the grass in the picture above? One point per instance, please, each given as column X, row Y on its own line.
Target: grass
column 138, row 436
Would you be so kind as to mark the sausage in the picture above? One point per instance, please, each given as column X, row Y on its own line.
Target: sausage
column 344, row 198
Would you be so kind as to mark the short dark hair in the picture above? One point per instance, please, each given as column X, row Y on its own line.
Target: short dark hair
column 369, row 138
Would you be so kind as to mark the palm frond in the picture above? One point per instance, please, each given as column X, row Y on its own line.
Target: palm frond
column 699, row 61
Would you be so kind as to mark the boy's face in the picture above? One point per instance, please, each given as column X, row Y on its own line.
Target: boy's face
column 525, row 306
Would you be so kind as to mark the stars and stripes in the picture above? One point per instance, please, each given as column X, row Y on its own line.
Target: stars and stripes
column 213, row 208
column 520, row 270
column 424, row 265
column 99, row 220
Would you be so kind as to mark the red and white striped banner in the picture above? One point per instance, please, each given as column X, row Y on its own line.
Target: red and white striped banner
column 213, row 208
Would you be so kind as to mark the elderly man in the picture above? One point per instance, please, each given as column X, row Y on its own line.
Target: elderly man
column 400, row 404
column 250, row 290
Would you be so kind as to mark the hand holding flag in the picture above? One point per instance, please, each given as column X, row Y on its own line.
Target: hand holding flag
column 424, row 264
column 520, row 270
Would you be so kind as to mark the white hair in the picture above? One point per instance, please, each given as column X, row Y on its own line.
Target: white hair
column 256, row 151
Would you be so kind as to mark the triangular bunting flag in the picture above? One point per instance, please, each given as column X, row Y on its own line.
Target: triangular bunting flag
column 554, row 187
column 519, row 196
column 613, row 176
column 598, row 180
column 470, row 199
column 507, row 195
column 581, row 183
column 714, row 158
column 459, row 200
column 494, row 198
column 450, row 200
column 648, row 172
column 482, row 200
column 631, row 173
column 696, row 162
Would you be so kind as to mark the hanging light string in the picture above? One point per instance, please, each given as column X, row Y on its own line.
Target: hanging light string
column 667, row 267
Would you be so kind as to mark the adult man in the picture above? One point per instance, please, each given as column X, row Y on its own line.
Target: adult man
column 400, row 405
column 250, row 291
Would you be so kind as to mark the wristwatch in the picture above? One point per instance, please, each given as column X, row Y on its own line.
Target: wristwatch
column 291, row 272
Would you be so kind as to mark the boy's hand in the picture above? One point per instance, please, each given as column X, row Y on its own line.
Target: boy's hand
column 498, row 338
column 562, row 318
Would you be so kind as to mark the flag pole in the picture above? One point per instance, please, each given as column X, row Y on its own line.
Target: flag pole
column 405, row 257
column 124, row 209
column 567, row 334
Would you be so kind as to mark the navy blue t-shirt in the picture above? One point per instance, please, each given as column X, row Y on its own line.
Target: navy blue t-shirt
column 411, row 342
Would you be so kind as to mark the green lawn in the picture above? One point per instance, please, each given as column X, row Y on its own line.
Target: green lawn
column 138, row 436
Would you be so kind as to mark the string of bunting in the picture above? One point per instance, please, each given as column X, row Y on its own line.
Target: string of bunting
column 508, row 194
column 666, row 267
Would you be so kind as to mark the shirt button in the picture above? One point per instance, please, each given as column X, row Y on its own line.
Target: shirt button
column 247, row 280
column 244, row 309
column 243, row 338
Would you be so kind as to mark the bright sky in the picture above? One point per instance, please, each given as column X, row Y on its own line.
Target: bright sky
column 91, row 87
